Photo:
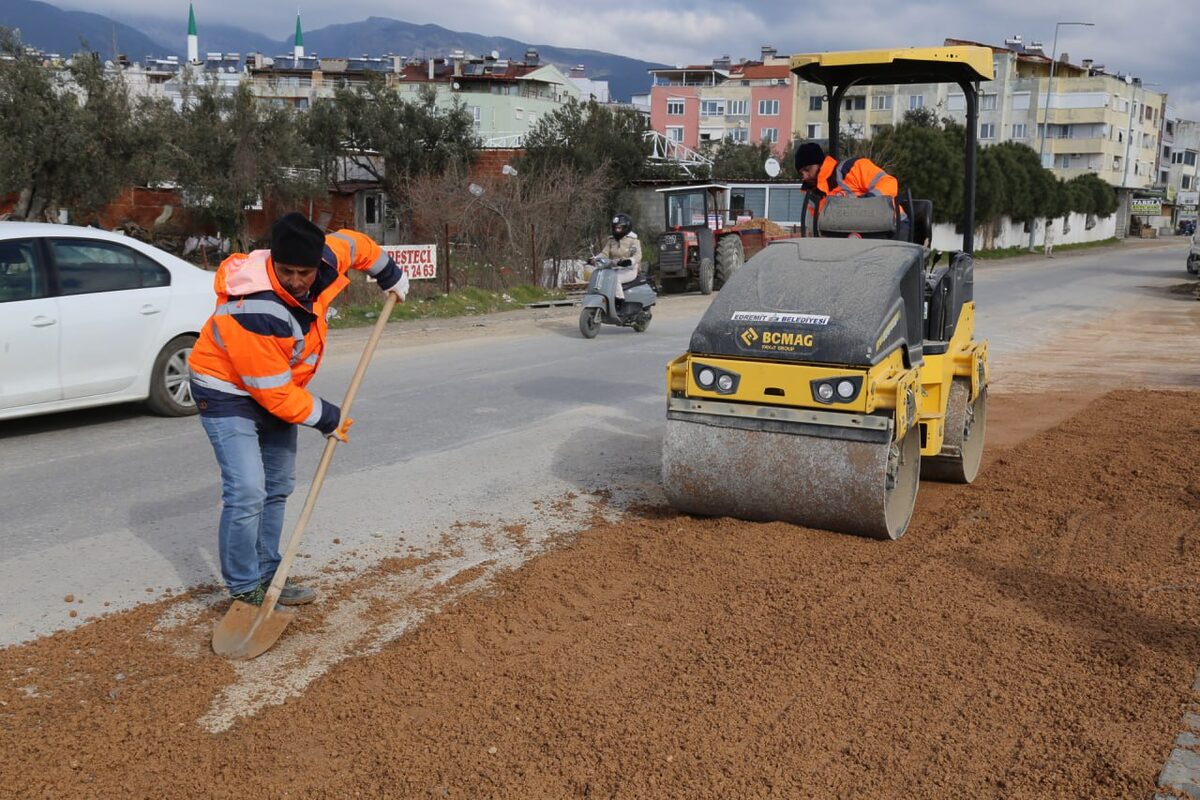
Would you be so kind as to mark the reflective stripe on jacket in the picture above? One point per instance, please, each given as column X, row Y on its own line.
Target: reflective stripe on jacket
column 261, row 347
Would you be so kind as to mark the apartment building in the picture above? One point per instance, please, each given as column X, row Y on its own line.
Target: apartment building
column 1179, row 167
column 750, row 101
column 505, row 98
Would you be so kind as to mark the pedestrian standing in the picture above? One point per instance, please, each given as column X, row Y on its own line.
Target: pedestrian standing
column 1049, row 238
column 250, row 367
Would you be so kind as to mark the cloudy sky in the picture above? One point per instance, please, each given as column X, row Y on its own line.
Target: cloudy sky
column 1157, row 40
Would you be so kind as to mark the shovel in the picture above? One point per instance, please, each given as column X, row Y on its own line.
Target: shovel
column 248, row 631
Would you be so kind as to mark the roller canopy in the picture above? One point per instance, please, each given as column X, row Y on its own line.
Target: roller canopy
column 831, row 301
column 962, row 64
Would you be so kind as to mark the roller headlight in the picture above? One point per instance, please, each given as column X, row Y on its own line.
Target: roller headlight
column 705, row 377
column 825, row 391
column 846, row 390
column 725, row 383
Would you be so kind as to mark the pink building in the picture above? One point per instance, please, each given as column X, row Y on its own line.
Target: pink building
column 747, row 102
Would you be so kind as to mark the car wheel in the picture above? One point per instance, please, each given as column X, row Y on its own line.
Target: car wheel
column 170, row 387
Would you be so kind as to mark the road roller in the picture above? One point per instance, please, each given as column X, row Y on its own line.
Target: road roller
column 836, row 370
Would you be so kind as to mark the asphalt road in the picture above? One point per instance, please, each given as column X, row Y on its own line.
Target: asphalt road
column 485, row 420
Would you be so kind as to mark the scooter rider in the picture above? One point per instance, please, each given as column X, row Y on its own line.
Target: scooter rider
column 624, row 250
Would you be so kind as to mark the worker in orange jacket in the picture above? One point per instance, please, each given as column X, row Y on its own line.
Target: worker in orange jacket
column 824, row 176
column 249, row 370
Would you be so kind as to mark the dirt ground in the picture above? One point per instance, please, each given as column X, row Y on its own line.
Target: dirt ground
column 1033, row 635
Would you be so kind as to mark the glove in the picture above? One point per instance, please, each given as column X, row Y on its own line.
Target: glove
column 341, row 431
column 400, row 289
column 625, row 262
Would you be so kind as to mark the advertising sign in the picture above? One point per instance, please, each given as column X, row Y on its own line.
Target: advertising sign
column 419, row 261
column 1145, row 206
column 1189, row 198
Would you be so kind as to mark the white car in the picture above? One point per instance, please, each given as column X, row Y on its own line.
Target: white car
column 89, row 318
column 1193, row 262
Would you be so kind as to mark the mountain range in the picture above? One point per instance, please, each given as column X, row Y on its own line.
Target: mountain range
column 54, row 30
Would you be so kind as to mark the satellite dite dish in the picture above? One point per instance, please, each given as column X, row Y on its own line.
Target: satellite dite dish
column 772, row 167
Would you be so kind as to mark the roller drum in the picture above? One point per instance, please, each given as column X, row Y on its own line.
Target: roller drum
column 830, row 483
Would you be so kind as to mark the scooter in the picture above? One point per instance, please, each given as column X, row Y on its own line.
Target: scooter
column 601, row 306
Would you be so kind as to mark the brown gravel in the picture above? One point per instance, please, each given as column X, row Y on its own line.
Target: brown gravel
column 1034, row 635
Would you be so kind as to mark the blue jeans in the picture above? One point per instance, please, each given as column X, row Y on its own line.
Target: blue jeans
column 258, row 472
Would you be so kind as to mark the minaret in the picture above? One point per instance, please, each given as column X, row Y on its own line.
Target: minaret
column 298, row 47
column 193, row 40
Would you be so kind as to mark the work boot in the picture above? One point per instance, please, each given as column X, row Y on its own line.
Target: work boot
column 293, row 594
column 253, row 597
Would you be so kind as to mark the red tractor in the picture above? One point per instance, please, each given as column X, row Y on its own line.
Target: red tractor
column 698, row 243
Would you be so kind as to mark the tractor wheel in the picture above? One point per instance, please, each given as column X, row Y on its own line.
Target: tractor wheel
column 731, row 254
column 705, row 277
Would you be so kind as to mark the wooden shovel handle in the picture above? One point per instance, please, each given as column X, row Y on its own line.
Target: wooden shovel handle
column 331, row 443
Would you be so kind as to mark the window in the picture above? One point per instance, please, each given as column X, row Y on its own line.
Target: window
column 519, row 113
column 476, row 116
column 987, row 130
column 785, row 204
column 21, row 274
column 712, row 108
column 770, row 135
column 878, row 129
column 740, row 135
column 814, row 131
column 1062, row 161
column 768, row 108
column 86, row 266
column 816, row 102
column 1189, row 158
column 1186, row 182
column 854, row 103
column 916, row 101
column 881, row 102
column 987, row 102
column 675, row 108
column 373, row 209
column 738, row 108
column 748, row 200
column 1018, row 131
column 1117, row 163
column 675, row 133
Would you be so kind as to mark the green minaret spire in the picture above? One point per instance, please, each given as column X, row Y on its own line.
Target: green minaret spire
column 191, row 20
column 299, row 35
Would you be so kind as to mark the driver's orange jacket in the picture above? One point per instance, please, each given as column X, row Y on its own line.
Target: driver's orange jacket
column 854, row 176
column 262, row 346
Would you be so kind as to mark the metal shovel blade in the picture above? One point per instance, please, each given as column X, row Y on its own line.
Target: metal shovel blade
column 248, row 631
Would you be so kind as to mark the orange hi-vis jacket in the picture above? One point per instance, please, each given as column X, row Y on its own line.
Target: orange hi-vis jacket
column 854, row 176
column 262, row 346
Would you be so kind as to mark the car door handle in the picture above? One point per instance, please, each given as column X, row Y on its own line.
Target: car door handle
column 41, row 321
column 149, row 309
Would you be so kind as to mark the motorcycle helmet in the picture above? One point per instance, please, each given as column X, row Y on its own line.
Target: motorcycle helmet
column 621, row 226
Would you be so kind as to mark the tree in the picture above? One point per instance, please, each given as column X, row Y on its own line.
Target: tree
column 586, row 138
column 393, row 140
column 740, row 160
column 228, row 151
column 69, row 138
column 925, row 162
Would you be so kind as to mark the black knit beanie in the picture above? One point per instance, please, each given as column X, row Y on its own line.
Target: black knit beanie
column 296, row 241
column 808, row 154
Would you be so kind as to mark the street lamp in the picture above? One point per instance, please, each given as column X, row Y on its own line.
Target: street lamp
column 1046, row 105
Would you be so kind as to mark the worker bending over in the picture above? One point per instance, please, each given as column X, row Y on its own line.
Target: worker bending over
column 824, row 177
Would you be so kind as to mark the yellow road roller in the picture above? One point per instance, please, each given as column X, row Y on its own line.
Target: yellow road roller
column 835, row 370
